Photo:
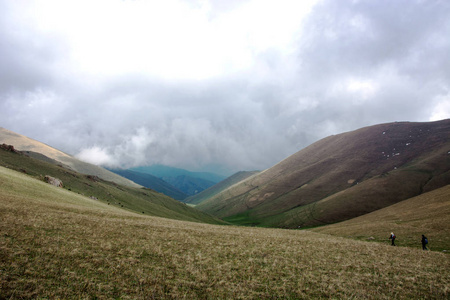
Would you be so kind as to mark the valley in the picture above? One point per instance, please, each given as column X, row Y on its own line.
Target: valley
column 58, row 244
column 94, row 238
column 214, row 149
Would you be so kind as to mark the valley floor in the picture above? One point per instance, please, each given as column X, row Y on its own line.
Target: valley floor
column 57, row 244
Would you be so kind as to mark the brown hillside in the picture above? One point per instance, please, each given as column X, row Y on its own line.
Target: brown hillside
column 341, row 177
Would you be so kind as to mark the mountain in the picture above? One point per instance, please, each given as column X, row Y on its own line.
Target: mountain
column 139, row 200
column 188, row 182
column 152, row 182
column 341, row 177
column 219, row 187
column 23, row 143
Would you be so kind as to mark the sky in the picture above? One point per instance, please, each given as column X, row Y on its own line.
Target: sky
column 218, row 85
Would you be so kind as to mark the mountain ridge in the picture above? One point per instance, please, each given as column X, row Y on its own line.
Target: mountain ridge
column 24, row 143
column 410, row 154
column 188, row 182
column 152, row 182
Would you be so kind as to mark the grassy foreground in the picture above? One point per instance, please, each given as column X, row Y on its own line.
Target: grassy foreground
column 58, row 244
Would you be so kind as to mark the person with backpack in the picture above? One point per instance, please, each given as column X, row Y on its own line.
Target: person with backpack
column 424, row 242
column 392, row 237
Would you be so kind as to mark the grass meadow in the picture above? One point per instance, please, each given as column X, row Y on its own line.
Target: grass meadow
column 58, row 244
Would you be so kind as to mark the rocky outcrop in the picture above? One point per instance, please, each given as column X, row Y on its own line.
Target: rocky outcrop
column 53, row 181
column 9, row 148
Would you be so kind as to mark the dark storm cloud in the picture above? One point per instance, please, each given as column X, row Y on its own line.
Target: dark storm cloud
column 352, row 64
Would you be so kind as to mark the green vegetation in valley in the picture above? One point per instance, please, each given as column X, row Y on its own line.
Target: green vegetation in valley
column 242, row 219
column 57, row 244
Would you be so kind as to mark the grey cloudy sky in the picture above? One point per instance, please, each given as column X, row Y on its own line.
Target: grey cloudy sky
column 217, row 85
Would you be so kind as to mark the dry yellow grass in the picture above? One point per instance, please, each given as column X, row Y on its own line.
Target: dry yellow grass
column 55, row 244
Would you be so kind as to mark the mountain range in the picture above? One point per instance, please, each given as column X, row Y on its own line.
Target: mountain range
column 174, row 182
column 335, row 179
column 188, row 182
column 132, row 197
column 152, row 182
column 92, row 238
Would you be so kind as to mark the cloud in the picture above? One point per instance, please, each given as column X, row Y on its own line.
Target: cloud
column 96, row 155
column 213, row 85
column 442, row 108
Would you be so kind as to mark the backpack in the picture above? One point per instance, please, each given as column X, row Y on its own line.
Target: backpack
column 426, row 241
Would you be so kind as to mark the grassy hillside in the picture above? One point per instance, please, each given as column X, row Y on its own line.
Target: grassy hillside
column 141, row 200
column 23, row 143
column 219, row 187
column 341, row 177
column 152, row 182
column 58, row 244
column 427, row 214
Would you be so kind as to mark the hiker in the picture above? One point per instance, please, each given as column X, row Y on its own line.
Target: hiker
column 392, row 237
column 424, row 242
